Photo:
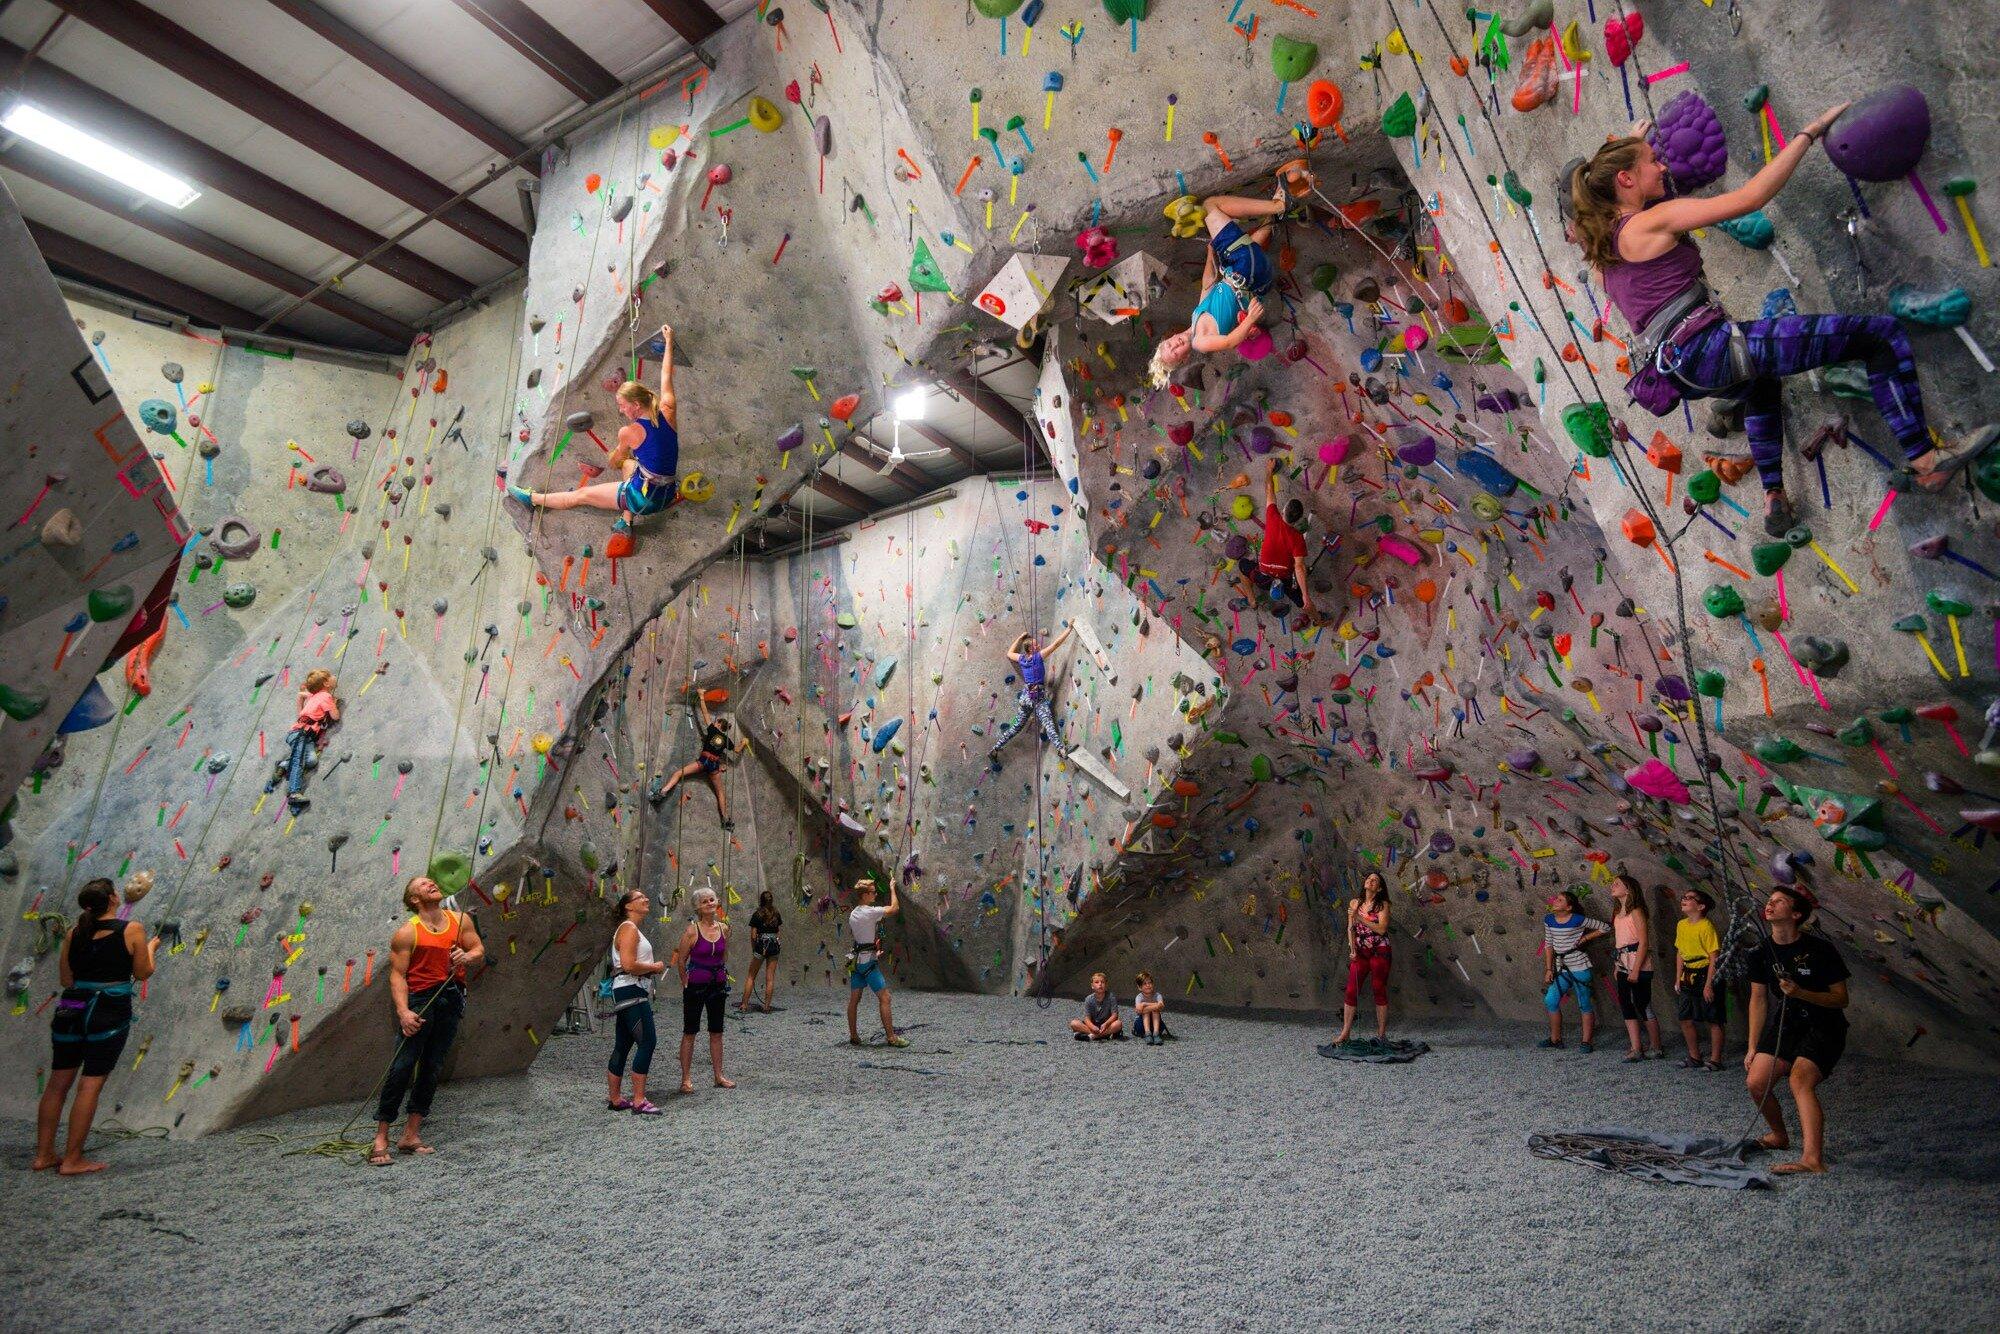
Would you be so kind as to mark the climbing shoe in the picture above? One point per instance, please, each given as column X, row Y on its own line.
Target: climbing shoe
column 1586, row 1046
column 1781, row 518
column 1549, row 1043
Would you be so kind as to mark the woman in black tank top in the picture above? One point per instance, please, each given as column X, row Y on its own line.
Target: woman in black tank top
column 100, row 962
column 764, row 926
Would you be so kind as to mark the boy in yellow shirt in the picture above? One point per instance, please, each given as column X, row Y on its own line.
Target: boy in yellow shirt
column 1695, row 998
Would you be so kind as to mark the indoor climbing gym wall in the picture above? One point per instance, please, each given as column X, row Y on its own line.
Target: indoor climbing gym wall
column 1550, row 636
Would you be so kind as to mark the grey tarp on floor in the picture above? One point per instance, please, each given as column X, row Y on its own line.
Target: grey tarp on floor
column 1669, row 1160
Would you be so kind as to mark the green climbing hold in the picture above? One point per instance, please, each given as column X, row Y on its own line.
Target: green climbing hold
column 1260, row 768
column 1945, row 606
column 996, row 9
column 1910, row 625
column 1516, row 191
column 108, row 604
column 1704, row 488
column 925, row 275
column 1709, row 683
column 1847, row 380
column 846, row 620
column 1986, row 474
column 1323, row 278
column 21, row 705
column 452, row 871
column 1126, row 11
column 1400, row 120
column 1856, row 733
column 1897, row 715
column 1778, row 750
column 1767, row 558
column 1722, row 601
column 1291, row 58
column 1589, row 427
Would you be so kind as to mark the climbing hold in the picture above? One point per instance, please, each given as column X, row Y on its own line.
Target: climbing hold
column 239, row 595
column 1589, row 428
column 452, row 870
column 885, row 734
column 1688, row 140
column 1753, row 230
column 359, row 429
column 1292, row 58
column 697, row 487
column 1940, row 310
column 158, row 416
column 108, row 604
column 21, row 705
column 1767, row 558
column 844, row 406
column 1704, row 488
column 1324, row 104
column 1656, row 780
column 235, row 539
column 765, row 115
column 1883, row 136
column 1188, row 216
column 1400, row 120
column 326, row 481
column 1722, row 601
column 62, row 529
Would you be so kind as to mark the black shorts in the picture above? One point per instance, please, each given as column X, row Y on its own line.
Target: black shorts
column 1820, row 1043
column 764, row 946
column 1635, row 999
column 694, row 999
column 1688, row 1003
column 1286, row 582
column 88, row 1036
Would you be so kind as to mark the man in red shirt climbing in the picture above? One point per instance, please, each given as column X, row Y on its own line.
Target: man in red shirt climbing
column 1281, row 560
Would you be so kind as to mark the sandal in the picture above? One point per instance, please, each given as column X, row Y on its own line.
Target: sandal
column 379, row 1158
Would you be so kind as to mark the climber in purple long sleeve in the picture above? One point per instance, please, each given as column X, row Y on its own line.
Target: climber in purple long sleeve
column 1637, row 239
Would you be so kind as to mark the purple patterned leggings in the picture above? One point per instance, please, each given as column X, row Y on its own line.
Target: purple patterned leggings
column 1791, row 344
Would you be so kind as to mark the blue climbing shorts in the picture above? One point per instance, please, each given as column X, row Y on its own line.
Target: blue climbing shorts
column 642, row 494
column 868, row 974
column 1242, row 260
column 1574, row 982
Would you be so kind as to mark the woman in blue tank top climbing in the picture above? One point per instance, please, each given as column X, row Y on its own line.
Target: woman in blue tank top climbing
column 1238, row 273
column 648, row 455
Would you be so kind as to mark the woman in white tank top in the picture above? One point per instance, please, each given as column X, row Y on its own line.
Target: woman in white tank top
column 632, row 1004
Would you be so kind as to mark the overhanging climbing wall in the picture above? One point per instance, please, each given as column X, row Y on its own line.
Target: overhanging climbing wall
column 93, row 527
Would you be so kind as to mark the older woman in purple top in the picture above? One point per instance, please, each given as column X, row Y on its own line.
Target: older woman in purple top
column 1637, row 239
column 702, row 958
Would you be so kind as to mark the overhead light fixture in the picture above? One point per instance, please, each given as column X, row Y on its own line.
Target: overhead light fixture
column 59, row 136
column 909, row 405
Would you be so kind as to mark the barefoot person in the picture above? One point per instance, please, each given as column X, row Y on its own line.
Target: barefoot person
column 1369, row 953
column 100, row 961
column 632, row 1004
column 714, row 754
column 1237, row 273
column 765, row 924
column 703, row 960
column 428, row 959
column 1802, row 1036
column 1637, row 239
column 647, row 456
column 865, row 925
column 1030, row 658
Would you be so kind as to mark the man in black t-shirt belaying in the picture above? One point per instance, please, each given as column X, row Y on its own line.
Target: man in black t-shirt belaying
column 1804, row 1035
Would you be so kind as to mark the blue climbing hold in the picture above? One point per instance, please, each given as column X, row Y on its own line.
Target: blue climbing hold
column 886, row 733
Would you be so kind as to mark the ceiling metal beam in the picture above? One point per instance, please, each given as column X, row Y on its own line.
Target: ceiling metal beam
column 841, row 493
column 938, row 439
column 181, row 52
column 405, row 76
column 40, row 165
column 101, row 266
column 543, row 44
column 692, row 19
column 997, row 410
column 63, row 94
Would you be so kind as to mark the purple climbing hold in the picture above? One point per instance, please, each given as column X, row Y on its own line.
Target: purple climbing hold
column 1263, row 440
column 1523, row 758
column 1881, row 137
column 1673, row 688
column 1236, row 547
column 1420, row 453
column 1687, row 138
column 792, row 438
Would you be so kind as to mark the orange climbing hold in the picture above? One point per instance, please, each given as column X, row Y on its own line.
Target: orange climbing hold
column 620, row 546
column 139, row 662
column 1538, row 75
column 1186, row 787
column 843, row 407
column 1324, row 103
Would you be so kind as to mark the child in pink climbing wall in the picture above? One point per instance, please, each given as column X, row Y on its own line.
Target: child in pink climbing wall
column 1637, row 239
column 1565, row 966
column 1236, row 274
column 647, row 457
column 318, row 710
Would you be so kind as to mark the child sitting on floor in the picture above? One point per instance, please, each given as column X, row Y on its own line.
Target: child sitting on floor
column 1150, row 1007
column 1100, row 1018
column 318, row 710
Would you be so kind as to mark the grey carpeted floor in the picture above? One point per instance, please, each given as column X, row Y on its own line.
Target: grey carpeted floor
column 998, row 1176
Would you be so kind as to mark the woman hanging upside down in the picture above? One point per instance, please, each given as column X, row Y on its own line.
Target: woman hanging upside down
column 1237, row 273
column 1637, row 239
column 648, row 454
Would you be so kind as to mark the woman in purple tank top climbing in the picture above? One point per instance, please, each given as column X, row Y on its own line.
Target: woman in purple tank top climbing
column 703, row 960
column 1636, row 237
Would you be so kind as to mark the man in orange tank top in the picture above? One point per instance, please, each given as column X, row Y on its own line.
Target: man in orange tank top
column 428, row 958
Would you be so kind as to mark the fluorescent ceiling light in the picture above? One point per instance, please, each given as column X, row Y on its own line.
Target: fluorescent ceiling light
column 909, row 405
column 38, row 126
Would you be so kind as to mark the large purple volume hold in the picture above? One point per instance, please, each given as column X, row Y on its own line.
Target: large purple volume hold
column 1881, row 137
column 1687, row 139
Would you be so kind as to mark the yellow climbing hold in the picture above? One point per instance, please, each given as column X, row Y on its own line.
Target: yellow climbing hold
column 663, row 136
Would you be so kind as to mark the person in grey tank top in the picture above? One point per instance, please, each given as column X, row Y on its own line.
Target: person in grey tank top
column 632, row 1004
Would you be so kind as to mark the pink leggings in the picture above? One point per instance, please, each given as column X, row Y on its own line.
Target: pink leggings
column 1374, row 967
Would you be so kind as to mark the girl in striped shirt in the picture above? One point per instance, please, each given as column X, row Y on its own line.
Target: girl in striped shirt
column 1565, row 966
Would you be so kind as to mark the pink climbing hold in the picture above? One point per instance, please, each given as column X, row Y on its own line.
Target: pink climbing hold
column 1257, row 346
column 1656, row 780
column 1335, row 452
column 1402, row 549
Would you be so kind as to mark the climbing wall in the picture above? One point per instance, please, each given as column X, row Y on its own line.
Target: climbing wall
column 93, row 526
